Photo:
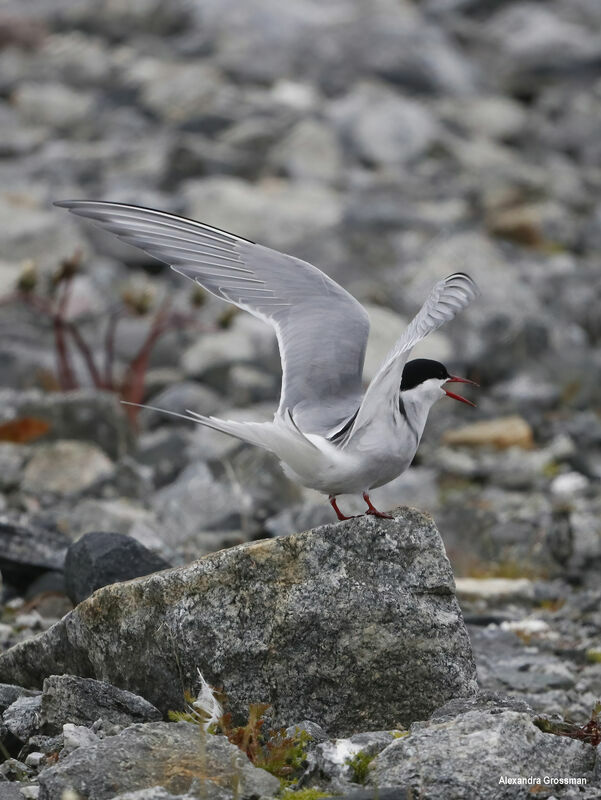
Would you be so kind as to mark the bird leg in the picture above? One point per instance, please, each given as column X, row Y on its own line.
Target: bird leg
column 334, row 505
column 371, row 509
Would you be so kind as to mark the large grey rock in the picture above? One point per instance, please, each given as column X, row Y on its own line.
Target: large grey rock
column 464, row 757
column 157, row 754
column 350, row 625
column 99, row 559
column 67, row 698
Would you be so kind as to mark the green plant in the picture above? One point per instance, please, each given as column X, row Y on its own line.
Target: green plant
column 359, row 764
column 304, row 794
column 272, row 750
column 284, row 756
column 589, row 733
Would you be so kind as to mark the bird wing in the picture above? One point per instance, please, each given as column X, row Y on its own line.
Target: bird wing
column 446, row 299
column 321, row 329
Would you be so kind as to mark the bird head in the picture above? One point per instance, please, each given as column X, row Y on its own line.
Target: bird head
column 427, row 380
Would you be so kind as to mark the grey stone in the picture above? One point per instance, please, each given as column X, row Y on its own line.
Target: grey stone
column 12, row 459
column 9, row 693
column 315, row 731
column 274, row 213
column 368, row 596
column 55, row 105
column 10, row 791
column 114, row 515
column 248, row 384
column 157, row 793
column 179, row 398
column 27, row 550
column 384, row 127
column 22, row 718
column 331, row 761
column 156, row 754
column 65, row 468
column 99, row 559
column 147, row 16
column 165, row 451
column 85, row 414
column 483, row 701
column 310, row 151
column 29, row 231
column 67, row 698
column 14, row 770
column 75, row 736
column 200, row 499
column 246, row 341
column 464, row 757
column 535, row 42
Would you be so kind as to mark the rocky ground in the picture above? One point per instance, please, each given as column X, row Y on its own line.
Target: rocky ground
column 390, row 143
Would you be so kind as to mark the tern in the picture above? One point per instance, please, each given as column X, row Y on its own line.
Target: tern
column 328, row 433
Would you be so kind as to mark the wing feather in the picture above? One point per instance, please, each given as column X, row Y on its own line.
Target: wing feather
column 321, row 329
column 446, row 299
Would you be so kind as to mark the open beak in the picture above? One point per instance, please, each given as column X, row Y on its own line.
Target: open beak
column 455, row 379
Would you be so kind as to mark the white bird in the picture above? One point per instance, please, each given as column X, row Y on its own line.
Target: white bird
column 328, row 433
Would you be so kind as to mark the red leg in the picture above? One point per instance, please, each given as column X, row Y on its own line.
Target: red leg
column 334, row 505
column 371, row 509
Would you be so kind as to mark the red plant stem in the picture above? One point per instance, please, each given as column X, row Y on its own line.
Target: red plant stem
column 109, row 348
column 66, row 376
column 86, row 354
column 133, row 387
column 65, row 369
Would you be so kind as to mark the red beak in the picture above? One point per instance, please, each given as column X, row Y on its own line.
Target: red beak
column 455, row 379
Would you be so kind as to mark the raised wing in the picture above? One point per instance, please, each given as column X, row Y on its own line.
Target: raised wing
column 447, row 298
column 321, row 329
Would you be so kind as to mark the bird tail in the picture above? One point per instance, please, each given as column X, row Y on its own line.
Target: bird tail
column 281, row 437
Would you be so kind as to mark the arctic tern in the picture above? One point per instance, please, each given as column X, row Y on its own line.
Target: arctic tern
column 329, row 434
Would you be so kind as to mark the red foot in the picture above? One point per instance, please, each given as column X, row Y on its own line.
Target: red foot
column 373, row 511
column 339, row 513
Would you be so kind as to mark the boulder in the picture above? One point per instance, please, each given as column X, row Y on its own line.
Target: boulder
column 99, row 559
column 466, row 754
column 351, row 625
column 81, row 701
column 157, row 754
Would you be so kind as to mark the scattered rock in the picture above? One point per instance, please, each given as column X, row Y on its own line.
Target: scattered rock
column 75, row 736
column 500, row 433
column 67, row 698
column 292, row 596
column 85, row 414
column 275, row 213
column 65, row 468
column 466, row 756
column 310, row 151
column 9, row 693
column 22, row 718
column 384, row 127
column 28, row 550
column 156, row 754
column 100, row 559
column 494, row 589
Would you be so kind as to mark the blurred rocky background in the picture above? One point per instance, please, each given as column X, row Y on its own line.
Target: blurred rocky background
column 390, row 142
